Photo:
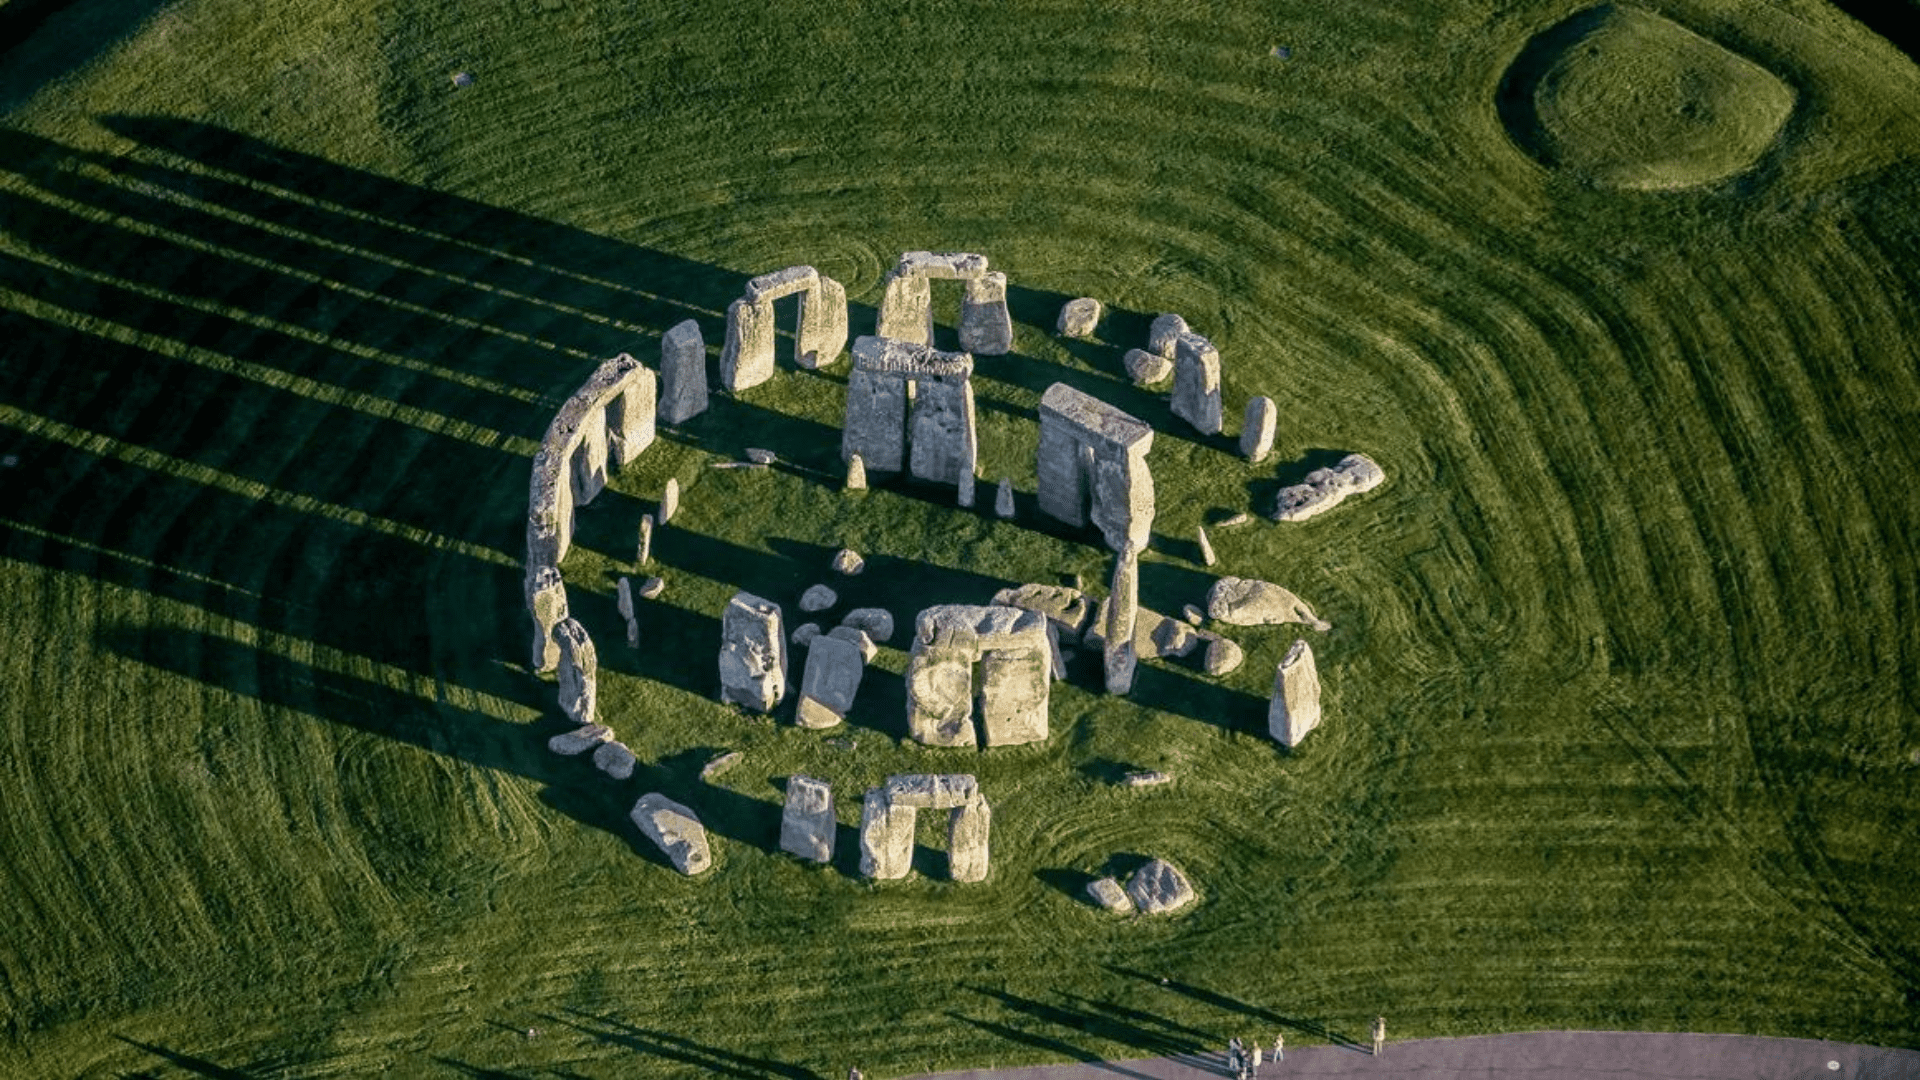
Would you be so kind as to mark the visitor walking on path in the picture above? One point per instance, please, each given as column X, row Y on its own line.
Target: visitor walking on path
column 1280, row 1046
column 1236, row 1057
column 1253, row 1066
column 1379, row 1034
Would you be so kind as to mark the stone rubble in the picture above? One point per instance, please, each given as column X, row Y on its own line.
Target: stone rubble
column 1223, row 657
column 761, row 457
column 651, row 588
column 1107, row 893
column 1145, row 778
column 829, row 683
column 580, row 740
column 1162, row 334
column 676, row 830
column 712, row 770
column 1248, row 602
column 1158, row 888
column 848, row 563
column 818, row 598
column 804, row 634
column 1066, row 608
column 877, row 622
column 1146, row 368
column 1323, row 489
column 868, row 650
column 1295, row 708
column 614, row 759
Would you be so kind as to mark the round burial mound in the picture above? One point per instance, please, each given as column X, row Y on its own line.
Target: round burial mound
column 1628, row 99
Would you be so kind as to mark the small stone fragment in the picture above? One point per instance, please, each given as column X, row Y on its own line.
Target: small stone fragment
column 818, row 598
column 1079, row 317
column 1165, row 330
column 1223, row 657
column 1003, row 499
column 652, row 587
column 1171, row 637
column 856, row 474
column 614, row 759
column 669, row 501
column 1145, row 778
column 580, row 740
column 877, row 622
column 1159, row 887
column 1192, row 614
column 761, row 457
column 1146, row 368
column 1323, row 489
column 804, row 634
column 807, row 824
column 1247, row 602
column 1108, row 894
column 868, row 650
column 1257, row 429
column 676, row 830
column 712, row 769
column 643, row 554
column 848, row 562
column 1240, row 518
column 1206, row 547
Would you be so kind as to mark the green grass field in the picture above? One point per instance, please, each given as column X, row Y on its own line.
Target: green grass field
column 1624, row 682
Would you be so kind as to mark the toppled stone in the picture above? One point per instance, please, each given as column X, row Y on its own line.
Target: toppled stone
column 1146, row 368
column 1159, row 887
column 831, row 679
column 1248, row 602
column 856, row 474
column 1066, row 608
column 713, row 769
column 1161, row 335
column 1232, row 520
column 1295, row 708
column 1171, row 637
column 683, row 373
column 1206, row 546
column 1196, row 382
column 1257, row 429
column 1192, row 614
column 1145, row 778
column 860, row 640
column 1003, row 499
column 753, row 655
column 804, row 634
column 848, row 562
column 623, row 599
column 579, row 671
column 1108, row 894
column 614, row 759
column 643, row 552
column 1223, row 657
column 669, row 502
column 807, row 825
column 761, row 457
column 818, row 598
column 677, row 831
column 580, row 740
column 1079, row 317
column 651, row 588
column 1323, row 489
column 877, row 622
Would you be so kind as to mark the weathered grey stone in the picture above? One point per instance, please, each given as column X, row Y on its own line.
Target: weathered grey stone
column 1158, row 888
column 1295, row 708
column 963, row 491
column 1146, row 368
column 1257, row 428
column 1248, row 602
column 1151, row 637
column 906, row 309
column 1078, row 317
column 847, row 562
column 580, row 740
column 818, row 598
column 753, row 654
column 714, row 769
column 1107, row 893
column 1092, row 454
column 1123, row 603
column 669, row 502
column 1162, row 334
column 804, row 634
column 1171, row 637
column 940, row 696
column 652, row 588
column 630, row 418
column 944, row 442
column 579, row 671
column 1323, row 489
column 822, row 334
column 807, row 824
column 683, row 373
column 946, row 265
column 677, row 831
column 1196, row 382
column 877, row 622
column 1223, row 657
column 887, row 825
column 1192, row 614
column 1148, row 778
column 886, row 837
column 832, row 678
column 623, row 599
column 967, row 841
column 746, row 360
column 1017, row 655
column 775, row 284
column 643, row 551
column 1066, row 608
column 570, row 467
column 860, row 640
column 589, row 471
column 986, row 329
column 614, row 759
column 1206, row 546
column 1013, row 694
column 856, row 473
column 547, row 602
column 1003, row 499
column 761, row 457
column 931, row 791
column 1233, row 520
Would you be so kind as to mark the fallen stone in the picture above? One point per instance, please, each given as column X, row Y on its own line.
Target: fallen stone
column 1257, row 429
column 614, row 759
column 683, row 373
column 1079, row 317
column 1162, row 334
column 1206, row 546
column 807, row 825
column 753, row 655
column 856, row 474
column 651, row 588
column 579, row 674
column 1323, row 489
column 1159, row 887
column 1171, row 637
column 1108, row 894
column 669, row 502
column 1247, row 602
column 580, row 740
column 831, row 679
column 643, row 553
column 868, row 650
column 676, row 830
column 1223, row 657
column 804, row 634
column 1192, row 614
column 1003, row 499
column 712, row 770
column 1295, row 708
column 848, row 562
column 877, row 622
column 1146, row 778
column 1235, row 519
column 1146, row 368
column 818, row 598
column 1066, row 608
column 761, row 457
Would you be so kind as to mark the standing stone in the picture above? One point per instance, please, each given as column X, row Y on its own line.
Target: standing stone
column 1146, row 368
column 1295, row 708
column 1123, row 602
column 669, row 502
column 1013, row 693
column 822, row 335
column 1159, row 887
column 746, row 359
column 624, row 599
column 944, row 440
column 967, row 836
column 1250, row 602
column 807, row 824
column 986, row 329
column 547, row 601
column 876, row 424
column 1078, row 317
column 1003, row 499
column 614, row 759
column 753, row 653
column 906, row 309
column 886, row 837
column 643, row 551
column 1196, row 383
column 589, row 473
column 677, row 831
column 832, row 678
column 630, row 418
column 940, row 696
column 1257, row 429
column 1206, row 546
column 579, row 672
column 856, row 473
column 1162, row 334
column 1093, row 463
column 651, row 588
column 683, row 373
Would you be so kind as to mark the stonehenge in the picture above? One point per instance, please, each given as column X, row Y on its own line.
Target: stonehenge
column 1078, row 317
column 1093, row 465
column 676, row 830
column 683, row 373
column 1323, row 489
column 1159, row 887
column 906, row 305
column 1257, row 428
column 830, row 681
column 1295, row 708
column 579, row 672
column 753, row 653
column 887, row 818
column 1247, row 602
column 887, row 374
column 746, row 360
column 1196, row 382
column 807, row 823
column 1015, row 658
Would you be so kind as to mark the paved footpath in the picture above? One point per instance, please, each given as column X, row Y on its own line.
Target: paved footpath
column 1538, row 1055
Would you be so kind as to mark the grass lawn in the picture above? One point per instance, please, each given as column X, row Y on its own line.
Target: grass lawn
column 1623, row 685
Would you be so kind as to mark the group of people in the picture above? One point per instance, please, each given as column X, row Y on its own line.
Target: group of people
column 1244, row 1061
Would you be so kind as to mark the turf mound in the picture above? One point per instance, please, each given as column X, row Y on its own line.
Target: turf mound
column 1626, row 98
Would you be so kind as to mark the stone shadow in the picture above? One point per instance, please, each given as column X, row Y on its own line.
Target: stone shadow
column 1176, row 692
column 1142, row 1031
column 709, row 1060
column 32, row 60
column 204, row 1067
column 1305, row 1025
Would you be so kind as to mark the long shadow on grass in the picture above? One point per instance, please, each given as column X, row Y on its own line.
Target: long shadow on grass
column 1228, row 1003
column 1151, row 1035
column 710, row 1060
column 198, row 1066
column 85, row 29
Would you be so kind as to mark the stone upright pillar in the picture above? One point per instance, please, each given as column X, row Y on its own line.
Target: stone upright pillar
column 590, row 458
column 822, row 333
column 547, row 603
column 747, row 358
column 1295, row 708
column 1196, row 382
column 886, row 837
column 579, row 672
column 906, row 309
column 753, row 653
column 940, row 696
column 683, row 373
column 967, row 835
column 1257, row 429
column 1123, row 606
column 807, row 823
column 1063, row 491
column 944, row 437
column 986, row 329
column 876, row 424
column 629, row 418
